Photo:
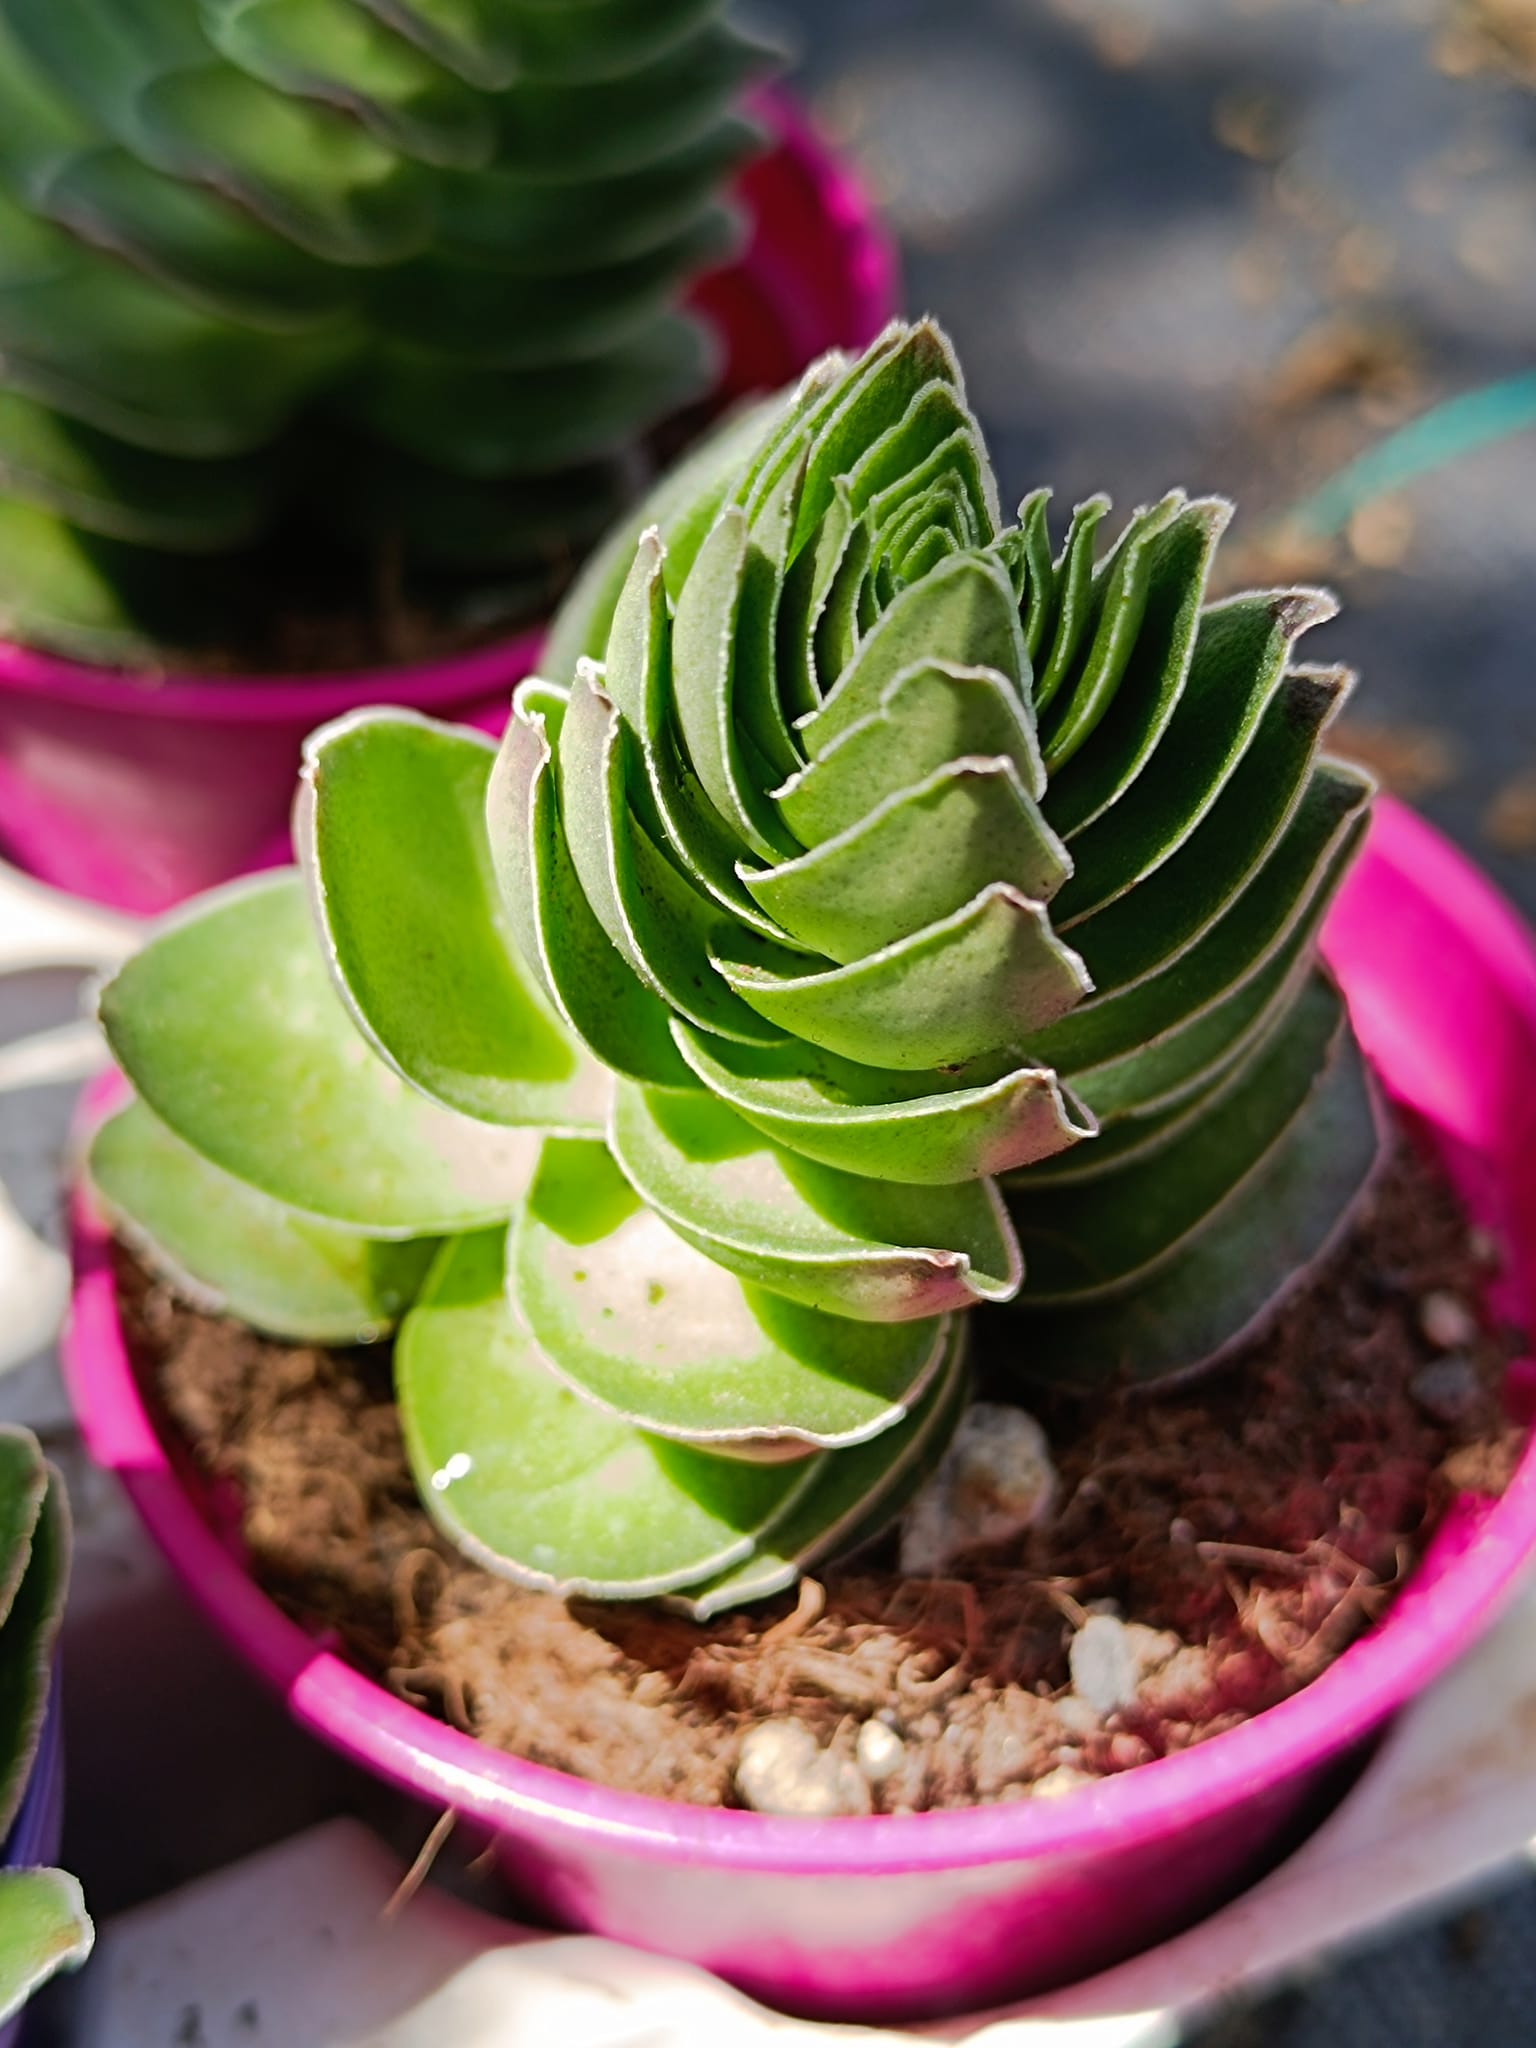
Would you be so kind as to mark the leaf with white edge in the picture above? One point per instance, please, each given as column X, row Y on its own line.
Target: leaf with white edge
column 874, row 1250
column 704, row 682
column 923, row 1128
column 1148, row 691
column 919, row 856
column 852, row 1498
column 659, row 1335
column 928, row 715
column 540, row 1486
column 1132, row 937
column 1092, row 1235
column 1118, row 605
column 27, row 1640
column 853, row 415
column 599, row 995
column 23, row 1482
column 1237, row 666
column 1262, row 1243
column 228, row 1025
column 963, row 613
column 993, row 972
column 653, row 914
column 669, row 799
column 44, row 1928
column 1297, row 875
column 234, row 1251
column 390, row 827
column 1070, row 601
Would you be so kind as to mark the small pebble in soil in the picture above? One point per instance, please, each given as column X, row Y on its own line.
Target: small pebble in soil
column 1446, row 1321
column 1065, row 1778
column 1079, row 1717
column 995, row 1481
column 783, row 1769
column 1109, row 1659
column 880, row 1752
column 1449, row 1388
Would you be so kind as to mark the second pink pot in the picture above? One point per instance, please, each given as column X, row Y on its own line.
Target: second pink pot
column 139, row 790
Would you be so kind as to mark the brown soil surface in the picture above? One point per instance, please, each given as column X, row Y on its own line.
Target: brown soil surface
column 1262, row 1516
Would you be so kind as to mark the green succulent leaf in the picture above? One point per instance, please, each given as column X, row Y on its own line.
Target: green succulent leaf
column 23, row 1483
column 337, row 54
column 1292, row 882
column 451, row 237
column 540, row 1485
column 1259, row 1243
column 1082, row 1237
column 234, row 1251
column 589, row 981
column 44, row 1928
column 229, row 1027
column 915, row 859
column 27, row 1636
column 1142, row 930
column 929, row 716
column 660, row 921
column 885, row 1124
column 851, row 1499
column 391, row 827
column 868, row 1249
column 963, row 613
column 935, row 999
column 652, row 1330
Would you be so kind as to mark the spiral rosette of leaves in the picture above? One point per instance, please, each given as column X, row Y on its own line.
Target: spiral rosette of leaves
column 888, row 917
column 385, row 274
column 930, row 851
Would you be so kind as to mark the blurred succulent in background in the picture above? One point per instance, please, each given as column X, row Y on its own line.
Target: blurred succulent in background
column 283, row 279
column 884, row 916
column 43, row 1923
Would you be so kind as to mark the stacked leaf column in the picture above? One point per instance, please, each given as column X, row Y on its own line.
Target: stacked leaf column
column 366, row 275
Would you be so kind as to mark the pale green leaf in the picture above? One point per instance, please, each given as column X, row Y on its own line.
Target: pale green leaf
column 992, row 973
column 234, row 1251
column 852, row 1498
column 925, row 1128
column 44, row 1928
column 875, row 1250
column 391, row 827
column 643, row 1324
column 537, row 1484
column 228, row 1025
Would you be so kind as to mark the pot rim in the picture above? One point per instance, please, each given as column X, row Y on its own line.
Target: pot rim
column 1425, row 1629
column 866, row 266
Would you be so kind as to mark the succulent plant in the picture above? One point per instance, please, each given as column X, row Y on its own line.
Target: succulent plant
column 883, row 917
column 43, row 1923
column 285, row 278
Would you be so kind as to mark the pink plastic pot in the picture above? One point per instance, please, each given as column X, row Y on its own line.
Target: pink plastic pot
column 138, row 790
column 889, row 1918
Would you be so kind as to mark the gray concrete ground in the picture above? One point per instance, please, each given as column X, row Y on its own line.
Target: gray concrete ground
column 1230, row 243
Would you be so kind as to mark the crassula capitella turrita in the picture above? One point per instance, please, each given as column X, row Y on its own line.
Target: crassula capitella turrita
column 882, row 918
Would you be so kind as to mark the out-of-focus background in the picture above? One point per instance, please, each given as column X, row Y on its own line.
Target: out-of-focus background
column 1232, row 244
column 1235, row 244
